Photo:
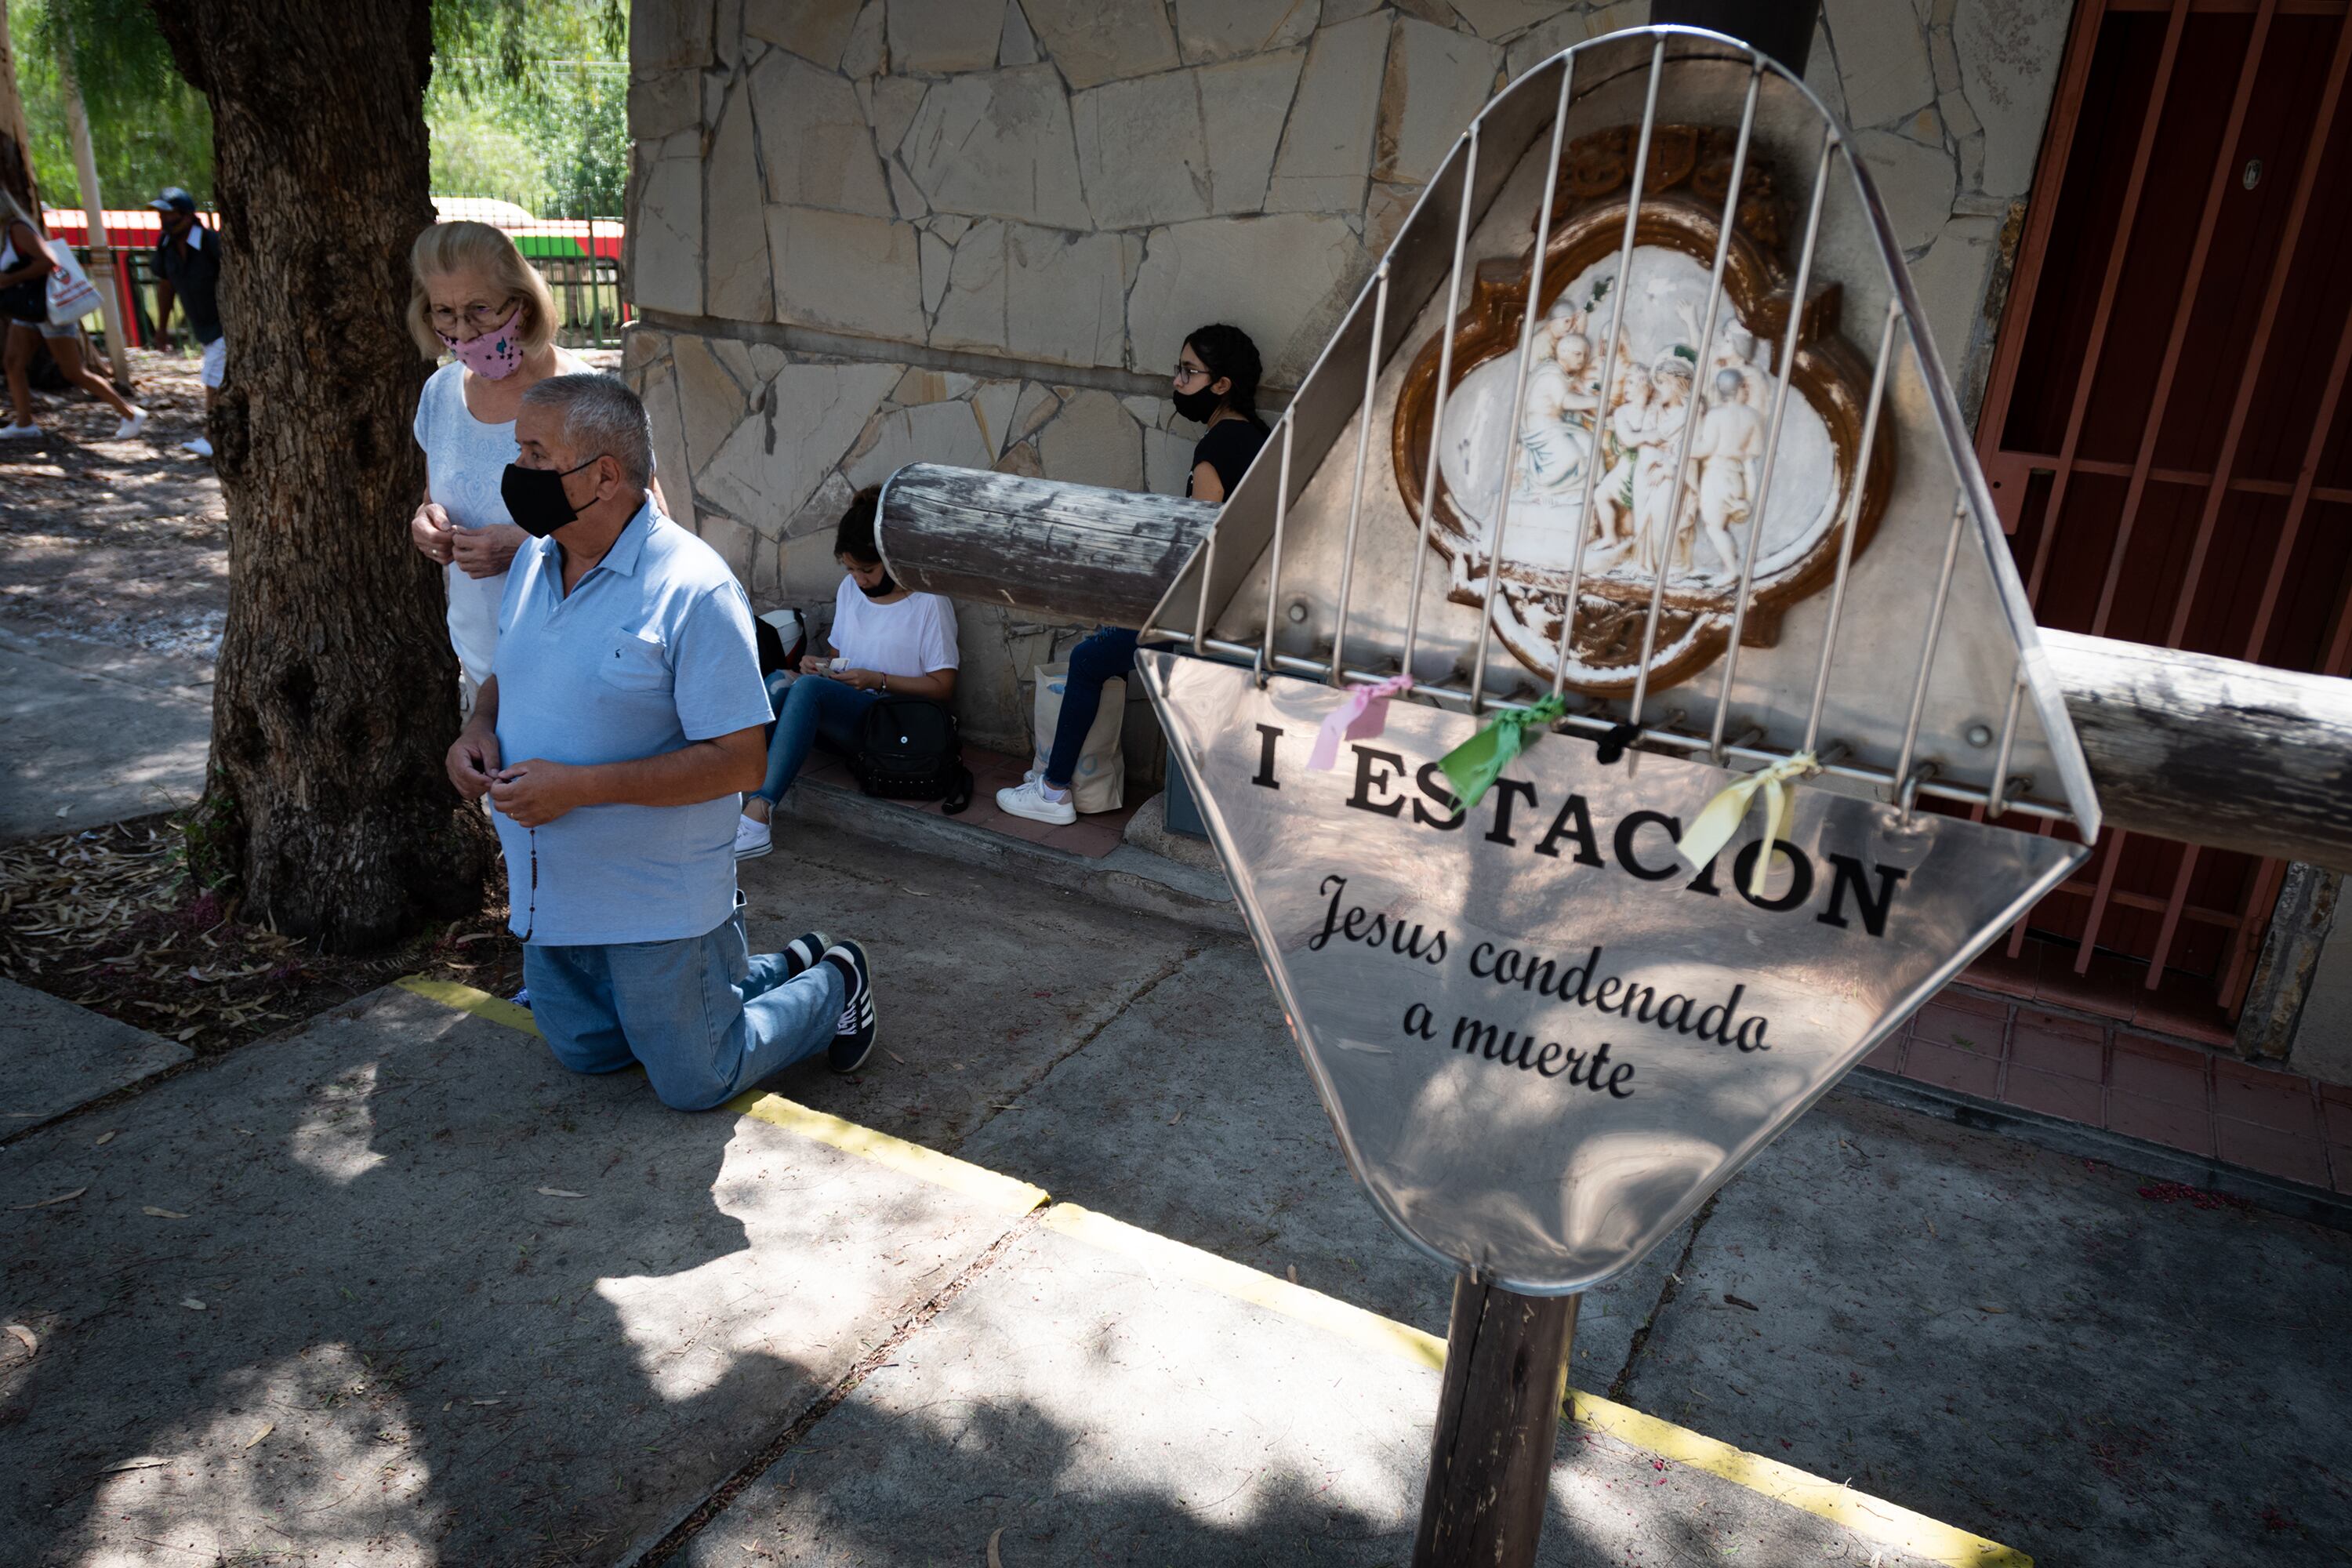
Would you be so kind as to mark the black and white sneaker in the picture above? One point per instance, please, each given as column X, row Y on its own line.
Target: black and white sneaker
column 802, row 952
column 853, row 1037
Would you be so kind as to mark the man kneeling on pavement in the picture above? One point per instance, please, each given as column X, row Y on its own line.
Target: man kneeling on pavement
column 624, row 716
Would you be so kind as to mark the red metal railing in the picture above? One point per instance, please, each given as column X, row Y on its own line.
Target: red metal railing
column 2178, row 557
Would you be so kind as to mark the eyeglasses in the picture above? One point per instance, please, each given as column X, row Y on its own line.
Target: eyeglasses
column 1184, row 373
column 481, row 318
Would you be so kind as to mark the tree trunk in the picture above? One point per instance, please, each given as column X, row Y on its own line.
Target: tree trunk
column 336, row 696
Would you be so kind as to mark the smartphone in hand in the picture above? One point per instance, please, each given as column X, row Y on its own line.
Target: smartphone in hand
column 811, row 664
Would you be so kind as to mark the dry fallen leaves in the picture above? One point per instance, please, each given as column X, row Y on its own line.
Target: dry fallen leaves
column 1291, row 1271
column 103, row 1139
column 31, row 1339
column 143, row 1462
column 265, row 1430
column 994, row 1536
column 192, row 1304
column 559, row 1192
column 161, row 1214
column 60, row 1198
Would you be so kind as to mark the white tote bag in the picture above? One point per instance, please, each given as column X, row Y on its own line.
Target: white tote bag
column 71, row 294
column 1100, row 781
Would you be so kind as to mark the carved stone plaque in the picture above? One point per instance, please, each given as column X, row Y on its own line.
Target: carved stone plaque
column 1593, row 466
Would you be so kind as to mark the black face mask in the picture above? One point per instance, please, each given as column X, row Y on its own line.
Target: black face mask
column 1197, row 406
column 881, row 590
column 535, row 497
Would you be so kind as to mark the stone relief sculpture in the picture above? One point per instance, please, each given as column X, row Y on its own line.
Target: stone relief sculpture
column 1592, row 469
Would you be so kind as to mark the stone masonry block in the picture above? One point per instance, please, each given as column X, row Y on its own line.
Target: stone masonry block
column 711, row 403
column 1228, row 29
column 816, row 30
column 2008, row 53
column 1243, row 104
column 938, row 37
column 1917, row 184
column 1327, row 149
column 1094, row 442
column 1437, row 81
column 1274, row 277
column 666, row 229
column 998, row 144
column 972, row 313
column 737, row 276
column 663, row 103
column 1882, row 59
column 848, row 272
column 933, row 433
column 1096, row 41
column 774, row 459
column 1142, row 152
column 815, row 141
column 1064, row 298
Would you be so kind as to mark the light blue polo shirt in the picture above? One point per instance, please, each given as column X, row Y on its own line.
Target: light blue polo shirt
column 652, row 649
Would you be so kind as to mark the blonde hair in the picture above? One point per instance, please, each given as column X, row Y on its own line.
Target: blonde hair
column 459, row 246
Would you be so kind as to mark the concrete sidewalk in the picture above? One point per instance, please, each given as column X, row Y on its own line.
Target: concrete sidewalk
column 91, row 734
column 787, row 1333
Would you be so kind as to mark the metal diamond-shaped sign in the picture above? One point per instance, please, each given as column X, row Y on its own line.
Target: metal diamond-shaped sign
column 1635, row 437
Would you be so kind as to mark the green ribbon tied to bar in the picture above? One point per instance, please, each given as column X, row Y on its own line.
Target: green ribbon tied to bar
column 1721, row 818
column 1474, row 765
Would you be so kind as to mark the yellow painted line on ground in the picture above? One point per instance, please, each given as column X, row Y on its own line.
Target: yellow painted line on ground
column 1003, row 1193
column 466, row 999
column 1871, row 1517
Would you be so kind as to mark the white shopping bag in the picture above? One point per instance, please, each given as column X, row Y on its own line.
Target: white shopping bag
column 1100, row 781
column 71, row 294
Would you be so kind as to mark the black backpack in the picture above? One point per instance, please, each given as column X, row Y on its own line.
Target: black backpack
column 908, row 749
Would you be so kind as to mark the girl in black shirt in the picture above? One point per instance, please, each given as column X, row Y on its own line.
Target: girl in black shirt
column 1215, row 385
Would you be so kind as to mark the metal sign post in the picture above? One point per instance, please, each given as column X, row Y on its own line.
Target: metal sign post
column 1667, row 440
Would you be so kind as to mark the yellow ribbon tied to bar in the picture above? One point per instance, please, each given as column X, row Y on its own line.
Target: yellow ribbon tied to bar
column 1721, row 818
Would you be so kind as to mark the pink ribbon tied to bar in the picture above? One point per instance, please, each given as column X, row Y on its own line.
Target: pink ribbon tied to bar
column 1361, row 715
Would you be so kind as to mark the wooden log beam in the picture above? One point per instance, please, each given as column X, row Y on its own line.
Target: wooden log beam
column 2212, row 751
column 1036, row 544
column 2181, row 745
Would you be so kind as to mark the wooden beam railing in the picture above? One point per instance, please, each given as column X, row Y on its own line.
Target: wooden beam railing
column 2186, row 746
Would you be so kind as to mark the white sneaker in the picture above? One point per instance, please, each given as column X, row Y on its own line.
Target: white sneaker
column 20, row 432
column 1029, row 799
column 753, row 838
column 132, row 426
column 201, row 447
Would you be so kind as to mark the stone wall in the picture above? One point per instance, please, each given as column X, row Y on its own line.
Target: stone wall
column 865, row 232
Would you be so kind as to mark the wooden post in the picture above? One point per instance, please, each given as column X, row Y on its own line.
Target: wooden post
column 1498, row 1425
column 101, row 253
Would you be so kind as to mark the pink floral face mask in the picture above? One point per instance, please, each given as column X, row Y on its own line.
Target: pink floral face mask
column 497, row 354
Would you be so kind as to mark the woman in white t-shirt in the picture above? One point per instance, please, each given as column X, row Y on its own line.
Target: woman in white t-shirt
column 888, row 639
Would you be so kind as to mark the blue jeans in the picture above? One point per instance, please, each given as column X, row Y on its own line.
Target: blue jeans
column 706, row 1017
column 1107, row 655
column 810, row 709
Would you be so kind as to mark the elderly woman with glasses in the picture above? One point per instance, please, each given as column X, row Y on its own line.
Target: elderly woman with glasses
column 1215, row 387
column 475, row 300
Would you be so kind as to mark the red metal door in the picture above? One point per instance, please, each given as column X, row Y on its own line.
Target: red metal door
column 2164, row 424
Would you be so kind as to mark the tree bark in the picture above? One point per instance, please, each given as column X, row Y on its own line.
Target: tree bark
column 336, row 694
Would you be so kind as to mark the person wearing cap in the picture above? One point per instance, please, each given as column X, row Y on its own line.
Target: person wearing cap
column 187, row 267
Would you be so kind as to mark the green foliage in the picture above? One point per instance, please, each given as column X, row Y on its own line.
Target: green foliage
column 148, row 128
column 529, row 102
column 554, row 140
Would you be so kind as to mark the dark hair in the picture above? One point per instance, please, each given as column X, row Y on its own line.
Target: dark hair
column 855, row 538
column 1227, row 351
